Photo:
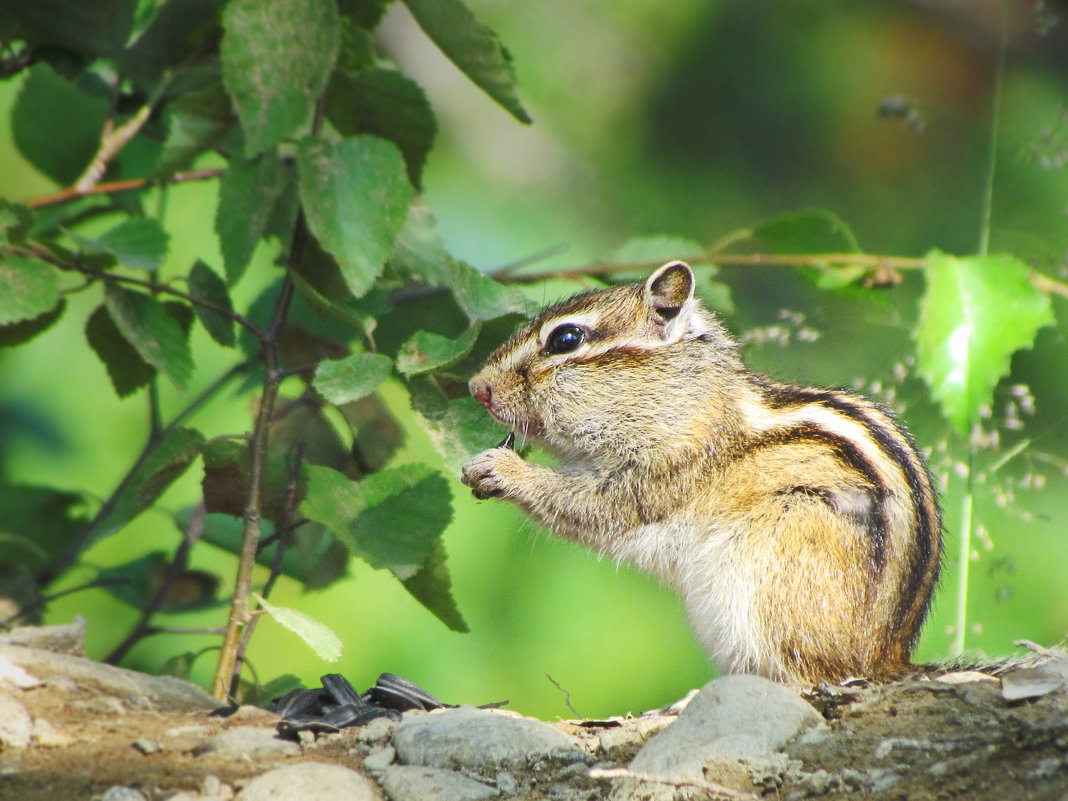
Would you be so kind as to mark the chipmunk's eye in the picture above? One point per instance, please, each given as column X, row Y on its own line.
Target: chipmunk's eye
column 564, row 339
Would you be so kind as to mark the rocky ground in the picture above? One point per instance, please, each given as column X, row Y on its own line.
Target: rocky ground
column 74, row 729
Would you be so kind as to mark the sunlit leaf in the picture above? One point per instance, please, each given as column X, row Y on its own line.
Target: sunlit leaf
column 976, row 312
column 28, row 288
column 326, row 644
column 350, row 379
column 427, row 351
column 472, row 47
column 480, row 296
column 276, row 59
column 355, row 194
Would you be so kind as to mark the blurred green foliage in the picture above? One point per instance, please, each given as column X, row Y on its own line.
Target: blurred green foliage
column 689, row 120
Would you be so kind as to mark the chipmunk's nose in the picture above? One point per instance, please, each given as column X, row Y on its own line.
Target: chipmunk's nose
column 481, row 391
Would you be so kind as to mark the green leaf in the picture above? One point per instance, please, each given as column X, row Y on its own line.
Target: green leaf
column 319, row 636
column 357, row 376
column 480, row 296
column 247, row 194
column 197, row 121
column 432, row 587
column 807, row 231
column 164, row 463
column 15, row 221
column 73, row 122
column 391, row 519
column 154, row 334
column 355, row 195
column 37, row 524
column 472, row 47
column 427, row 351
column 276, row 59
column 126, row 369
column 139, row 243
column 813, row 231
column 179, row 37
column 98, row 28
column 205, row 285
column 975, row 313
column 387, row 104
column 458, row 428
column 28, row 288
column 24, row 331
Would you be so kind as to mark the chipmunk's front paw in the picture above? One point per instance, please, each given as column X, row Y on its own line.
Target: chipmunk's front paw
column 491, row 472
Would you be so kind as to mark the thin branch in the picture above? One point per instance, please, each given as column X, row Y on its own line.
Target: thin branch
column 111, row 142
column 876, row 263
column 820, row 260
column 156, row 287
column 284, row 529
column 250, row 537
column 113, row 187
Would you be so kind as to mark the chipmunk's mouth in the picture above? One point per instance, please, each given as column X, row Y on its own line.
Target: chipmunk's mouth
column 525, row 428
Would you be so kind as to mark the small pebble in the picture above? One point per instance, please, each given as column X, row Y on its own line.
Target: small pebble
column 249, row 742
column 506, row 783
column 147, row 746
column 378, row 761
column 404, row 783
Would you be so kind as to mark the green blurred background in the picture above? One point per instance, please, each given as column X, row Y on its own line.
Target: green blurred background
column 693, row 119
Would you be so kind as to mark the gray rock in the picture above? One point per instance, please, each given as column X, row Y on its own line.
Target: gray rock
column 65, row 639
column 733, row 718
column 378, row 761
column 16, row 725
column 476, row 738
column 250, row 742
column 506, row 782
column 405, row 783
column 309, row 781
column 138, row 689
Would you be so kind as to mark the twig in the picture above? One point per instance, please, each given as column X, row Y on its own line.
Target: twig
column 567, row 697
column 250, row 537
column 755, row 259
column 284, row 529
column 876, row 263
column 174, row 571
column 44, row 254
column 111, row 143
column 113, row 187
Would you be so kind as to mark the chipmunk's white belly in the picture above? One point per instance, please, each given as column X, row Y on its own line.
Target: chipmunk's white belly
column 717, row 585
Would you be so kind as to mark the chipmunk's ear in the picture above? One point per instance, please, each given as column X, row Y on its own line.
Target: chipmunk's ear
column 669, row 291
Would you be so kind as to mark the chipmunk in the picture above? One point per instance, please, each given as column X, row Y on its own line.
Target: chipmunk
column 800, row 525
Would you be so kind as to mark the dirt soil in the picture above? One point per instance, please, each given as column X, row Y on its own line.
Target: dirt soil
column 914, row 740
